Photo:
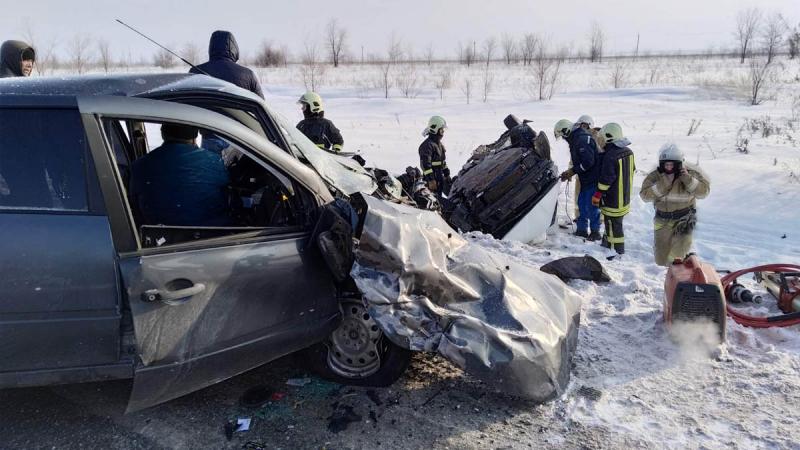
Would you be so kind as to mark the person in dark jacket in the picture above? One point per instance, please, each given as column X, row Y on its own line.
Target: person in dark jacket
column 223, row 52
column 615, row 185
column 321, row 131
column 432, row 157
column 179, row 183
column 585, row 163
column 16, row 59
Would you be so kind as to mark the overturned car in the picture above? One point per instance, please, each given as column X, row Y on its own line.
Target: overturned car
column 311, row 259
column 508, row 188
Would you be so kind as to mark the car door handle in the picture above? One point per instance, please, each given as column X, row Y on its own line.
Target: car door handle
column 175, row 297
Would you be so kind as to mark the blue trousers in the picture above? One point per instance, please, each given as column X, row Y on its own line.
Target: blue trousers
column 589, row 215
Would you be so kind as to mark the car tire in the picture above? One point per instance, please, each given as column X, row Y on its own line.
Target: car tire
column 345, row 356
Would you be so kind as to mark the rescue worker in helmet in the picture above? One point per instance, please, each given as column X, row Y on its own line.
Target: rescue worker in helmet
column 585, row 163
column 316, row 127
column 673, row 188
column 432, row 157
column 615, row 185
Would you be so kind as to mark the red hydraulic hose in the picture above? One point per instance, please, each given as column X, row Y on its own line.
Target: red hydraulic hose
column 739, row 317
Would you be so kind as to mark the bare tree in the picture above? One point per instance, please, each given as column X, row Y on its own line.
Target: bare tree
column 546, row 70
column 772, row 35
column 311, row 69
column 407, row 80
column 466, row 53
column 466, row 88
column 429, row 53
column 489, row 46
column 758, row 77
column 78, row 51
column 747, row 21
column 164, row 59
column 619, row 74
column 45, row 51
column 442, row 82
column 794, row 43
column 335, row 40
column 509, row 48
column 104, row 54
column 597, row 40
column 530, row 42
column 384, row 78
column 191, row 52
column 269, row 55
column 488, row 81
column 394, row 50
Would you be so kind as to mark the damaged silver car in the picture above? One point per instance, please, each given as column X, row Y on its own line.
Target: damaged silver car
column 92, row 291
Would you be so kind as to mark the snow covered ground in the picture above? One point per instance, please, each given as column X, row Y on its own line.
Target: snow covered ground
column 654, row 391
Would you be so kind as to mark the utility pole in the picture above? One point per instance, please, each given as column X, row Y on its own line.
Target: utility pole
column 636, row 53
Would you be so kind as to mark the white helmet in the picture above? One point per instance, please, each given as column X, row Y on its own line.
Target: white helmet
column 670, row 152
column 587, row 119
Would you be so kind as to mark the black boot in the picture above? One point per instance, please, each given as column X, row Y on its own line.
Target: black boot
column 582, row 233
column 594, row 236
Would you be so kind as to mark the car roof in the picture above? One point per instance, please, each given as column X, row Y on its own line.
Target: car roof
column 126, row 85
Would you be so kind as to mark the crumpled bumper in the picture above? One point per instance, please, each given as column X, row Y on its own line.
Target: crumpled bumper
column 430, row 289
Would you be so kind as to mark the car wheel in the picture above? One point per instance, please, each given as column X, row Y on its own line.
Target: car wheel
column 357, row 352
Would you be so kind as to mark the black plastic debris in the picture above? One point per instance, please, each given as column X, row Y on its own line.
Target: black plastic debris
column 577, row 268
column 256, row 396
column 341, row 418
column 590, row 393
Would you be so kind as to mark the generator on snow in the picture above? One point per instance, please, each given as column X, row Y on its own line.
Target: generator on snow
column 694, row 294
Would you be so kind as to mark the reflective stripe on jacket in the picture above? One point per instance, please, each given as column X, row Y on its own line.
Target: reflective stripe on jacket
column 616, row 180
column 670, row 194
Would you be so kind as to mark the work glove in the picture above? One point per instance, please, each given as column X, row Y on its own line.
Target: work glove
column 432, row 185
column 596, row 198
column 566, row 175
column 685, row 176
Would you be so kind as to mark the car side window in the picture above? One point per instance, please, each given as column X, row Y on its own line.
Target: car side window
column 42, row 160
column 193, row 185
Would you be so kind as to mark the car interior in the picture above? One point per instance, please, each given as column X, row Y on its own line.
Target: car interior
column 260, row 199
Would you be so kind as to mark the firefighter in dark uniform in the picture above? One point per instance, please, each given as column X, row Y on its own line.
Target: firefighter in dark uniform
column 316, row 127
column 432, row 157
column 615, row 185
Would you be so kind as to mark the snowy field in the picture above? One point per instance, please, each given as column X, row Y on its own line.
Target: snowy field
column 654, row 392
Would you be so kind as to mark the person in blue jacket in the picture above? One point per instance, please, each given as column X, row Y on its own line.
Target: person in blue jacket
column 585, row 163
column 223, row 53
column 180, row 183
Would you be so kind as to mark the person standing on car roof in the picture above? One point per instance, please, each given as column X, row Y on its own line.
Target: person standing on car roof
column 585, row 163
column 321, row 131
column 223, row 53
column 16, row 59
column 673, row 188
column 615, row 185
column 432, row 157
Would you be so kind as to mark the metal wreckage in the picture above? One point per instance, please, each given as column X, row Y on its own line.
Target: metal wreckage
column 431, row 289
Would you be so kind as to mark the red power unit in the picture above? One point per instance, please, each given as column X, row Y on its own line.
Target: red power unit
column 693, row 293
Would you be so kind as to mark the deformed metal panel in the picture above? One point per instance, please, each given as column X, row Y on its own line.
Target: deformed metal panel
column 430, row 289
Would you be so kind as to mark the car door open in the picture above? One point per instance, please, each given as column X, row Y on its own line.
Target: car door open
column 211, row 306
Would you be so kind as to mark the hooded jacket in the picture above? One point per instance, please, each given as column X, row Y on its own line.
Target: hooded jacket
column 223, row 52
column 584, row 156
column 11, row 58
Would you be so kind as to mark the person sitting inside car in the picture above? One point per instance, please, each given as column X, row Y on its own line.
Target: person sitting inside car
column 180, row 183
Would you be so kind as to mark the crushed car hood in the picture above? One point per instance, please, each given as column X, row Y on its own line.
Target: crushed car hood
column 430, row 289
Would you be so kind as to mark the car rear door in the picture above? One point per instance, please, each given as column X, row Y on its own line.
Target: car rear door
column 59, row 293
column 209, row 309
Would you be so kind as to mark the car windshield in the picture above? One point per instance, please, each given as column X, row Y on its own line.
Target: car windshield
column 343, row 173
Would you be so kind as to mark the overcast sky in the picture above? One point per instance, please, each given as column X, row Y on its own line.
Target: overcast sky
column 666, row 25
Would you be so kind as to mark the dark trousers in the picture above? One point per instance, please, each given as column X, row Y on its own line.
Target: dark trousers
column 589, row 215
column 614, row 237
